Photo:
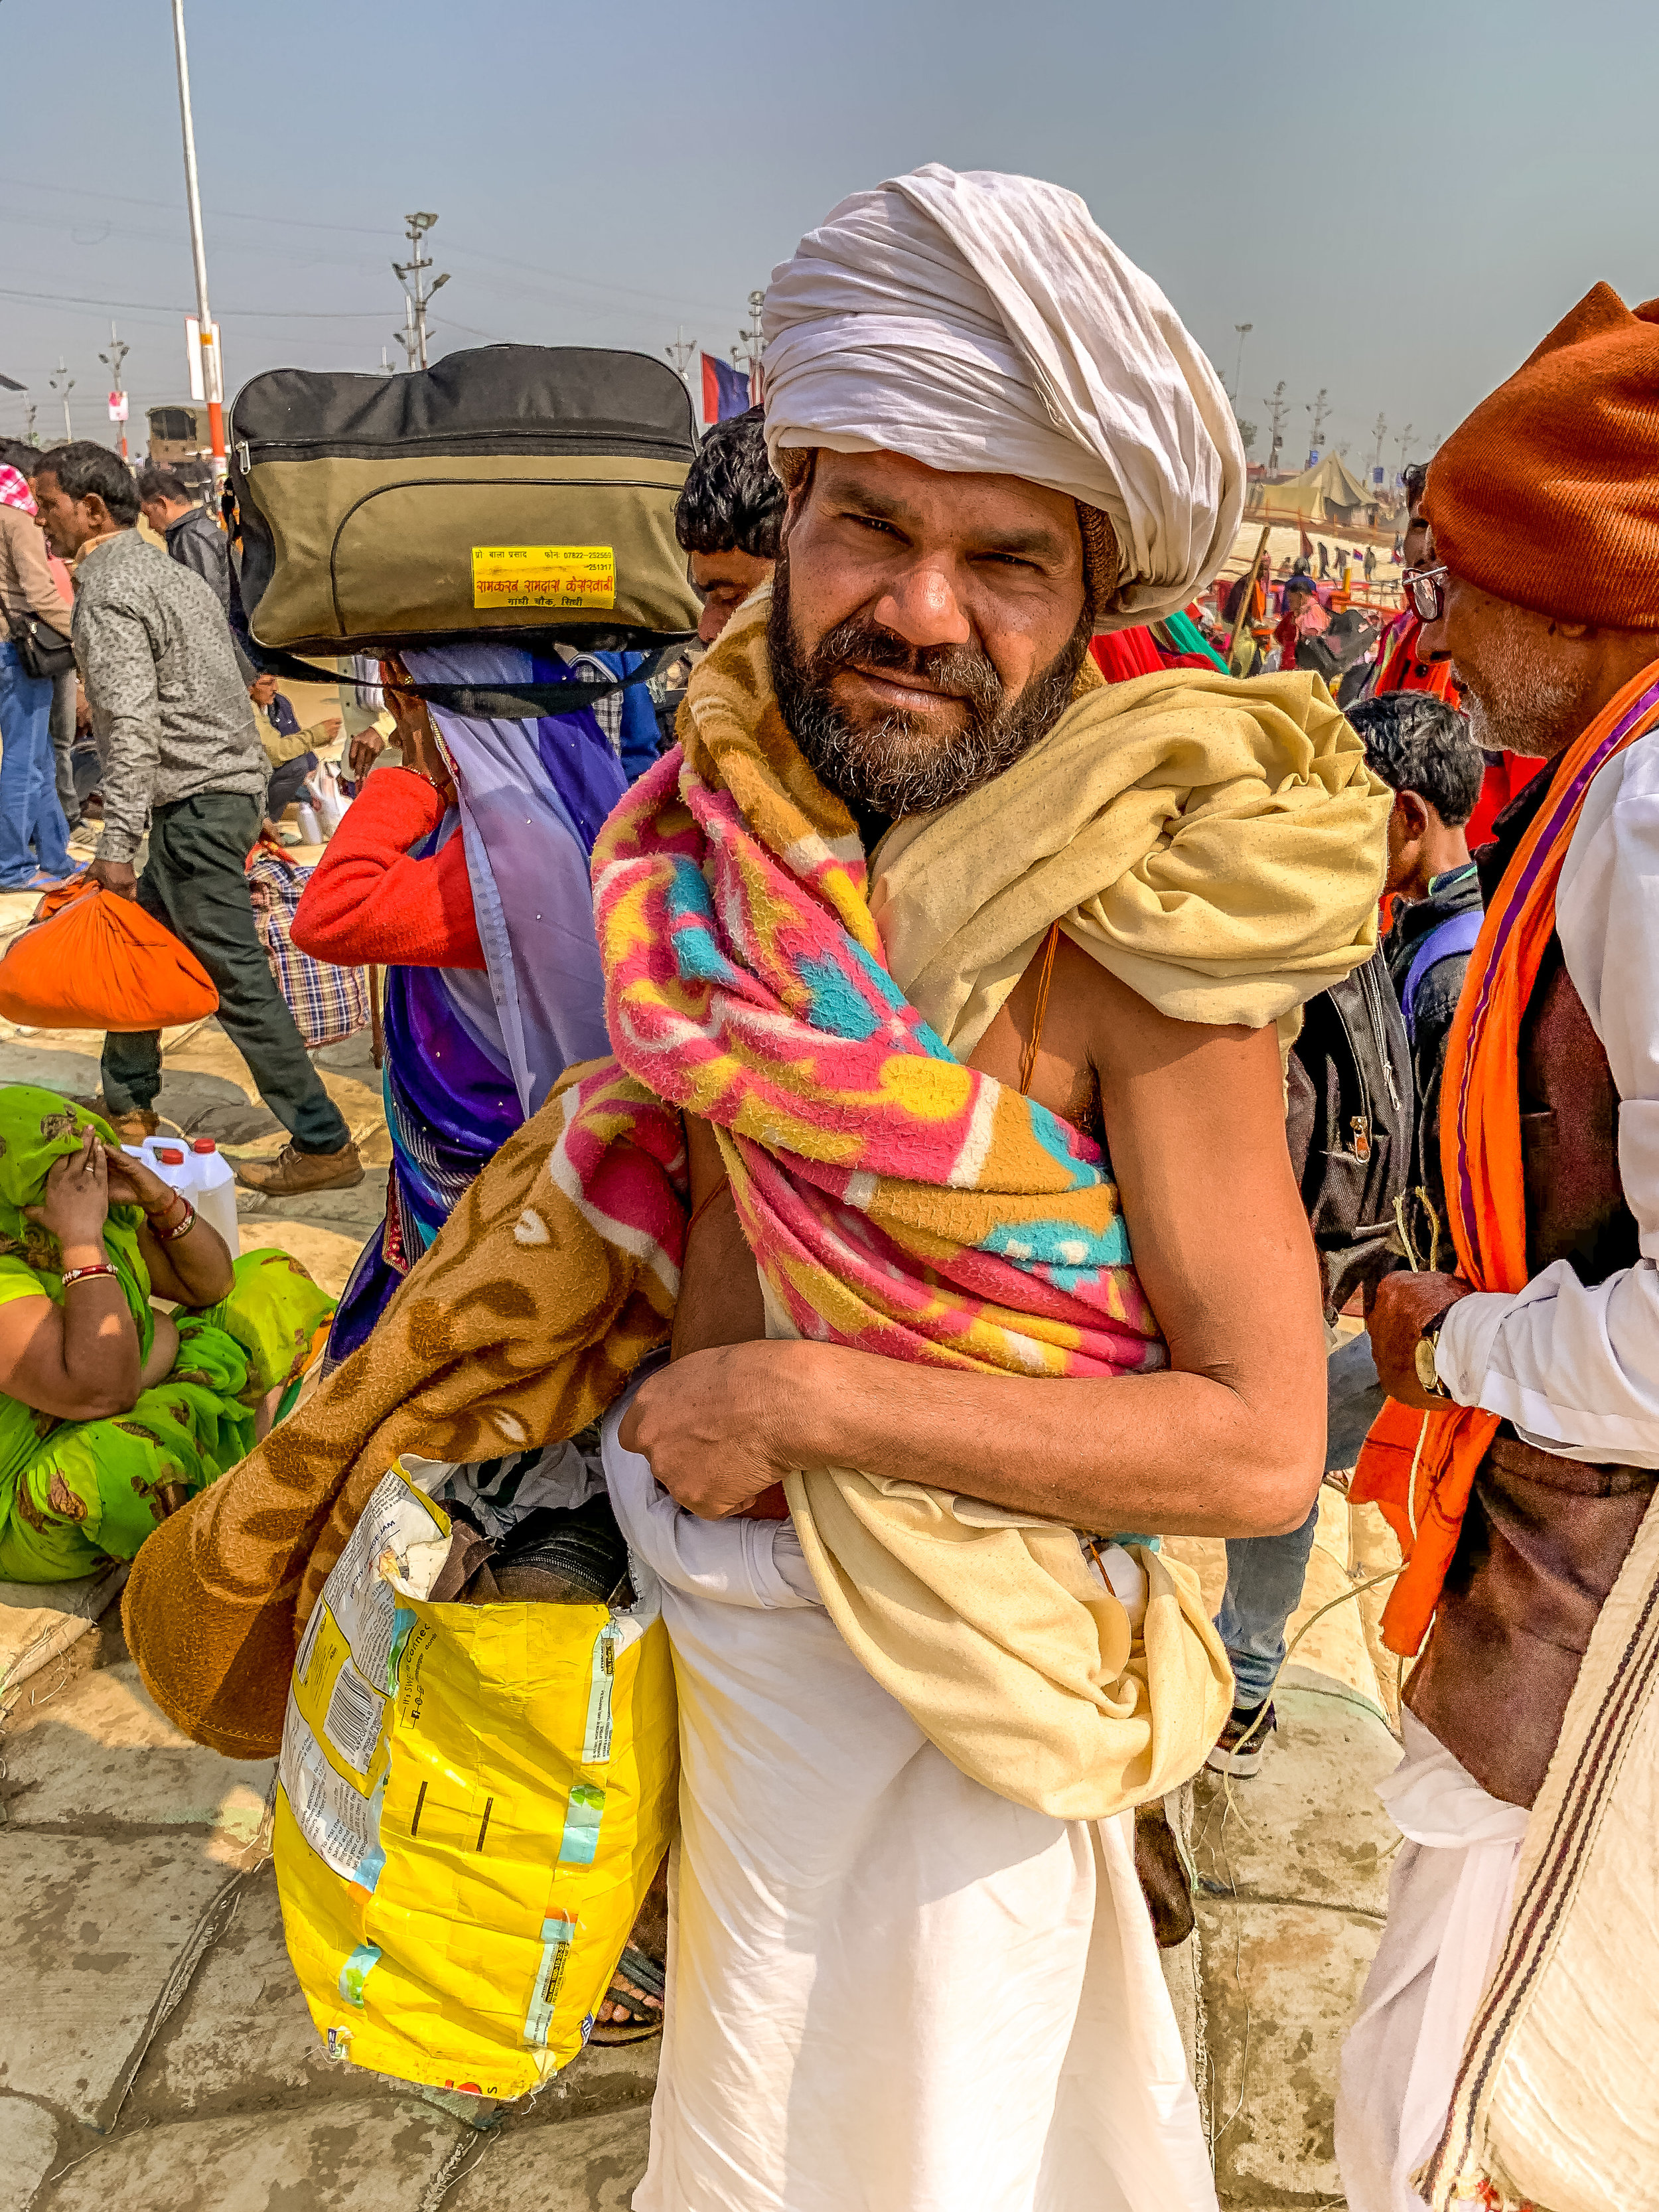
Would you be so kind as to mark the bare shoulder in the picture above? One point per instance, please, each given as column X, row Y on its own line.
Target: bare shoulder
column 1104, row 1054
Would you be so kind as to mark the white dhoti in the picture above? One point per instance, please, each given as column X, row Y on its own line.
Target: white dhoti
column 1448, row 1906
column 888, row 1989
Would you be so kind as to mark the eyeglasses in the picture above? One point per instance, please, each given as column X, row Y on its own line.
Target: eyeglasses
column 1427, row 592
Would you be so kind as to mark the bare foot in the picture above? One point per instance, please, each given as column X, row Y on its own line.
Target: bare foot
column 639, row 2006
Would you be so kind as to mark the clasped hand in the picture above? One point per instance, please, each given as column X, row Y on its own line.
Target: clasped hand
column 74, row 1203
column 82, row 1186
column 713, row 1425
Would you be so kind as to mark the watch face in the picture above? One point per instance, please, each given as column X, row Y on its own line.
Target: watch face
column 1427, row 1375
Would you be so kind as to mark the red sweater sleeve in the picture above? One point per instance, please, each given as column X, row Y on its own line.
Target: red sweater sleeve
column 368, row 903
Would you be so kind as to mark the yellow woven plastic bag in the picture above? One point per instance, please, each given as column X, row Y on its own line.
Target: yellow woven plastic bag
column 471, row 1802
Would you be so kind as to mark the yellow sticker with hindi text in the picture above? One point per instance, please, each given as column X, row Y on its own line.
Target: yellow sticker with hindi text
column 562, row 579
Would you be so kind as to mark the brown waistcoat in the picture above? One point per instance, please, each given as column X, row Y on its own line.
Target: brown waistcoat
column 1543, row 1538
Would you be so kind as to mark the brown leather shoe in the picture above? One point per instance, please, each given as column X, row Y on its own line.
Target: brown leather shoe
column 131, row 1128
column 294, row 1173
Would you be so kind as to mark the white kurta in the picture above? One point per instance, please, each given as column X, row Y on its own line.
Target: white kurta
column 888, row 1989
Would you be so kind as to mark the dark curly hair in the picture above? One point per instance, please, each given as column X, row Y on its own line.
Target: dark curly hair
column 732, row 501
column 1416, row 742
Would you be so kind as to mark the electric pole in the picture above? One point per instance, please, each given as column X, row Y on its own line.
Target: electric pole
column 680, row 355
column 414, row 272
column 1403, row 442
column 62, row 382
column 119, row 350
column 212, row 384
column 1277, row 407
column 1244, row 330
column 1379, row 431
column 1319, row 408
column 746, row 354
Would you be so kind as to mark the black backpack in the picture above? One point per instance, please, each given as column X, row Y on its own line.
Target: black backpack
column 1350, row 1118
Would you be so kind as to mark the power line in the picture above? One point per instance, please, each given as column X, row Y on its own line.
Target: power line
column 149, row 306
column 358, row 230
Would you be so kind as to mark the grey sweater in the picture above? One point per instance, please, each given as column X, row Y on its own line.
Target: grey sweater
column 170, row 710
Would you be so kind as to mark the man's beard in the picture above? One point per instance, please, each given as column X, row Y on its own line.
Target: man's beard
column 1526, row 705
column 898, row 765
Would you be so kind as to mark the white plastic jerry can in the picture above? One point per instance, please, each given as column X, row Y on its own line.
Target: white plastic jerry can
column 214, row 1195
column 199, row 1169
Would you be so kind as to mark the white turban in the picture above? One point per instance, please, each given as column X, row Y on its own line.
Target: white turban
column 985, row 322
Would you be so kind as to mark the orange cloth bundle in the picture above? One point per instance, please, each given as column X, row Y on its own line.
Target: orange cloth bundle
column 1421, row 1467
column 90, row 960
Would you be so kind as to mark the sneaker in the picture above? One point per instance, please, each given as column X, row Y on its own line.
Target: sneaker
column 1244, row 1740
column 294, row 1173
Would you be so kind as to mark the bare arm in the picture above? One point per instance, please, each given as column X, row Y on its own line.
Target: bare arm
column 1228, row 1441
column 78, row 1361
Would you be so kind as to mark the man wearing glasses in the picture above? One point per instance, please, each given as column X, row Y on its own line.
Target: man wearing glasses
column 1404, row 664
column 1518, row 1455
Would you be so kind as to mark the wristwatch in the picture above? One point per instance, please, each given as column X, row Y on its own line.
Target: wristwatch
column 1428, row 1373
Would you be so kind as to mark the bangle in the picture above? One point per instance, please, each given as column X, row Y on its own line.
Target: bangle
column 184, row 1227
column 155, row 1214
column 81, row 1274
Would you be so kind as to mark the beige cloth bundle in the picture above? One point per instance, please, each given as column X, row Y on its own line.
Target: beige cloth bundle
column 1219, row 845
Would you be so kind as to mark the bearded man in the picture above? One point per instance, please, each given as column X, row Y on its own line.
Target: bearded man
column 920, row 922
column 1519, row 1457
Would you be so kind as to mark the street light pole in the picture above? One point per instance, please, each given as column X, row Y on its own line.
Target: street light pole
column 119, row 350
column 64, row 382
column 416, row 268
column 1244, row 330
column 212, row 387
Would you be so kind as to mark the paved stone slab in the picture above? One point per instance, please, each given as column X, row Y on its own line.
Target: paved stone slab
column 29, row 2151
column 584, row 2165
column 327, row 1255
column 93, row 1928
column 104, row 1753
column 350, row 2160
column 1280, row 1984
column 243, row 2033
column 38, row 1620
column 602, row 2078
column 1309, row 1826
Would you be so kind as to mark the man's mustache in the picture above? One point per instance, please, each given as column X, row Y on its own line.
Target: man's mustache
column 957, row 669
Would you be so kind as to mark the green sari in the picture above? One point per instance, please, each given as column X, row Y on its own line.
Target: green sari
column 74, row 1494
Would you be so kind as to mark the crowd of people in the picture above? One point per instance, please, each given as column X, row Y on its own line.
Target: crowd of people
column 869, row 1102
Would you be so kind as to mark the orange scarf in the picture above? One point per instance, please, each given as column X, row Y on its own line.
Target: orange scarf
column 1421, row 1467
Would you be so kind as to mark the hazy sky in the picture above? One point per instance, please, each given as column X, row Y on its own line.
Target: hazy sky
column 1400, row 199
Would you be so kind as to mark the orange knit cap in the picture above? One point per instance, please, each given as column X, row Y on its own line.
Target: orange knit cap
column 1548, row 493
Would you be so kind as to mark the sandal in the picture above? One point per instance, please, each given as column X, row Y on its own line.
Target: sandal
column 644, row 1973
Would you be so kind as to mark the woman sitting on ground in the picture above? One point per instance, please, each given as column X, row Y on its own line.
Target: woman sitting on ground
column 111, row 1413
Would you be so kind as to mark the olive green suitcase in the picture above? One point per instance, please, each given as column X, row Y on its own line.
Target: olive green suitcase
column 505, row 490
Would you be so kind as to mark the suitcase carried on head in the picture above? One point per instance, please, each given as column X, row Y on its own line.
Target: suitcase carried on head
column 510, row 491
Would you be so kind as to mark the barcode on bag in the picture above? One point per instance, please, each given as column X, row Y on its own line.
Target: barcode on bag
column 354, row 1719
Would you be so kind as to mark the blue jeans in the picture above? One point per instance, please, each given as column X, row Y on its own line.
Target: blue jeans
column 30, row 814
column 1265, row 1575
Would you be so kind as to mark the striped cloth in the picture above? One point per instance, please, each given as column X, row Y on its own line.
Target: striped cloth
column 1553, row 2104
